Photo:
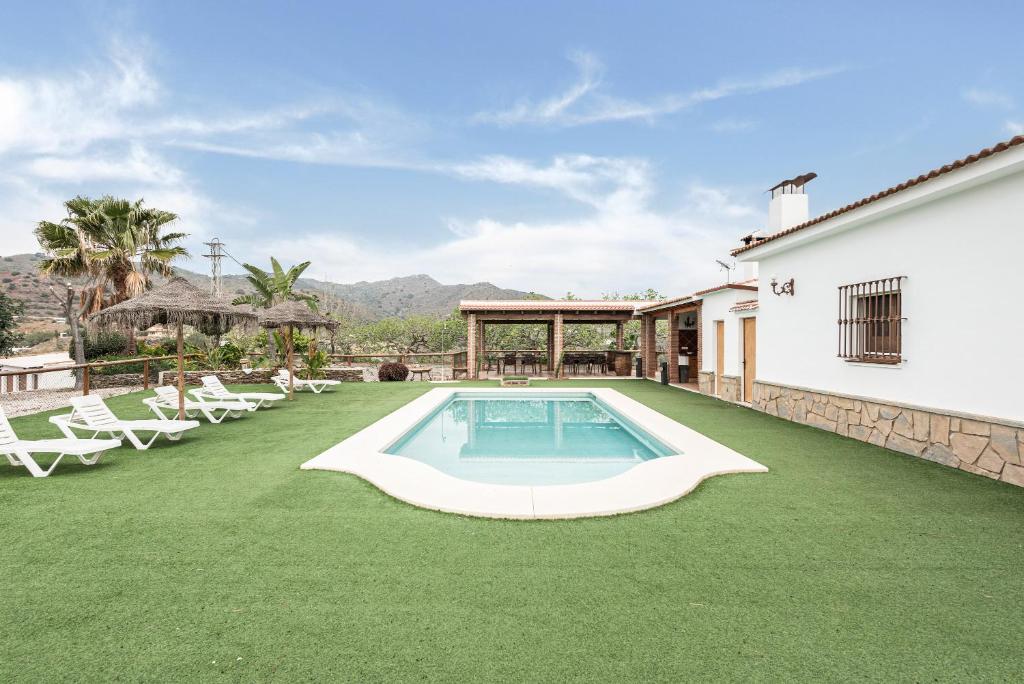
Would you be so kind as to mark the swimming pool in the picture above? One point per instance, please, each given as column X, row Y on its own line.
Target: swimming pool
column 547, row 453
column 528, row 439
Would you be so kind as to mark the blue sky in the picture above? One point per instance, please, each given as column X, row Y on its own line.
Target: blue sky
column 536, row 145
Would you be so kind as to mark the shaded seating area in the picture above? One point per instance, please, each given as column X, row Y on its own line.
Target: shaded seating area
column 554, row 360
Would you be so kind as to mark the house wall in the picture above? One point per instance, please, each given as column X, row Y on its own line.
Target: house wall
column 716, row 307
column 962, row 340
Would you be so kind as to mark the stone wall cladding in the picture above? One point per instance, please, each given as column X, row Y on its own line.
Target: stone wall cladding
column 706, row 382
column 731, row 388
column 982, row 447
column 98, row 381
column 256, row 377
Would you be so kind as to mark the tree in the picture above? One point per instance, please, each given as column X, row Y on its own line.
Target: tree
column 67, row 304
column 273, row 287
column 114, row 243
column 9, row 308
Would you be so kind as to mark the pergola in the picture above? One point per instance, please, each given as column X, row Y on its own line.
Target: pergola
column 670, row 310
column 556, row 314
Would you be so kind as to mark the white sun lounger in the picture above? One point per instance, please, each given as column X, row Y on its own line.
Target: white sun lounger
column 166, row 399
column 214, row 389
column 317, row 386
column 19, row 452
column 91, row 414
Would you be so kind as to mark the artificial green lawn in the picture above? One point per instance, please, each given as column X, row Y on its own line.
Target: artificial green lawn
column 217, row 558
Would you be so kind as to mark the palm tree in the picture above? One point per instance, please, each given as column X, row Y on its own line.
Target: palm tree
column 115, row 243
column 273, row 287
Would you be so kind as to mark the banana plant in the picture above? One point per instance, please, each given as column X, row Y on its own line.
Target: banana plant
column 273, row 287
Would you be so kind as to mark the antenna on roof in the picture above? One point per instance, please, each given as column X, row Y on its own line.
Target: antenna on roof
column 728, row 269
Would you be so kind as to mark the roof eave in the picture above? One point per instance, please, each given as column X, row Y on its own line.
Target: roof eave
column 984, row 170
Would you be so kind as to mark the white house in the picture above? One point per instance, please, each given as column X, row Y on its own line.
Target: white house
column 729, row 338
column 895, row 319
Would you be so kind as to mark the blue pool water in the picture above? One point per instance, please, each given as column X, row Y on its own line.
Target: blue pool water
column 528, row 440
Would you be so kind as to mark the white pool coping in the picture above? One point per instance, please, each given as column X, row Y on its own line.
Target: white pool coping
column 647, row 485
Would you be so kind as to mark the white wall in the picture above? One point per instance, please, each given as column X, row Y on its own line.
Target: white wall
column 785, row 211
column 963, row 342
column 716, row 308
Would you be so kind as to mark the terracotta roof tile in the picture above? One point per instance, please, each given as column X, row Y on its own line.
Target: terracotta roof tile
column 547, row 305
column 745, row 305
column 654, row 306
column 934, row 173
column 745, row 285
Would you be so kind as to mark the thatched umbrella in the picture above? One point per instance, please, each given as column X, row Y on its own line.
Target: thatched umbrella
column 292, row 314
column 178, row 303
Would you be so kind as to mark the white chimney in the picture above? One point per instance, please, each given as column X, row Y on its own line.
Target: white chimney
column 788, row 206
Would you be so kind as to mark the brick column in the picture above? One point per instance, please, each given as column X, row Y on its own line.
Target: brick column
column 471, row 330
column 700, row 339
column 556, row 346
column 648, row 341
column 672, row 353
column 552, row 361
column 620, row 335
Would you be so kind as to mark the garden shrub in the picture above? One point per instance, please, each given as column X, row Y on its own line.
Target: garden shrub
column 103, row 343
column 33, row 338
column 392, row 372
column 120, row 369
column 313, row 365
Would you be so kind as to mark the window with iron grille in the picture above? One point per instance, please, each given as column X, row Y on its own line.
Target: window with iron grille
column 870, row 321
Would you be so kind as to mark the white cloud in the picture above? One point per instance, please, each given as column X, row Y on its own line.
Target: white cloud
column 138, row 165
column 611, row 249
column 101, row 128
column 583, row 102
column 1014, row 127
column 988, row 98
column 110, row 129
column 603, row 182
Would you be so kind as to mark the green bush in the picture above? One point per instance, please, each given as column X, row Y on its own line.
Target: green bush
column 103, row 343
column 33, row 338
column 314, row 364
column 135, row 367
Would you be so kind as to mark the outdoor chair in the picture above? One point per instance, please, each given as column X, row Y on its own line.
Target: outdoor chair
column 19, row 452
column 214, row 389
column 315, row 386
column 572, row 363
column 91, row 414
column 166, row 399
column 530, row 361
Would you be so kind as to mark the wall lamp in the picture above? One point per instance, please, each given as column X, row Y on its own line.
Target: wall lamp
column 787, row 287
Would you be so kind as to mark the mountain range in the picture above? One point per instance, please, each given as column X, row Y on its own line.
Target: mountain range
column 365, row 300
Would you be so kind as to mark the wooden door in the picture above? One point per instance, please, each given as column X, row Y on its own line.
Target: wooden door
column 719, row 355
column 749, row 356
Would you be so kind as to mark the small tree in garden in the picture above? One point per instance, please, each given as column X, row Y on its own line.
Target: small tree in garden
column 313, row 364
column 9, row 308
column 273, row 287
